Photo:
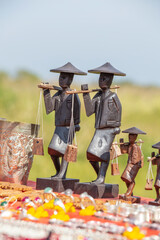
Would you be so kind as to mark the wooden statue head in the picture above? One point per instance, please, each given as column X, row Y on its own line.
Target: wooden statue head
column 105, row 80
column 132, row 138
column 65, row 79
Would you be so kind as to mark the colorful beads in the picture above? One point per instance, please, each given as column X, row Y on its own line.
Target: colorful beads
column 69, row 207
column 25, row 200
column 88, row 211
column 38, row 213
column 61, row 216
column 4, row 204
column 48, row 190
column 134, row 234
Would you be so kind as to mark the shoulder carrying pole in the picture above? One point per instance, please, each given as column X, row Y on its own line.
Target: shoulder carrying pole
column 126, row 143
column 89, row 91
column 151, row 159
column 48, row 86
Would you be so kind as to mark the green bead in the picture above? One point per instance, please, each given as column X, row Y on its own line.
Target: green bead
column 4, row 203
column 48, row 190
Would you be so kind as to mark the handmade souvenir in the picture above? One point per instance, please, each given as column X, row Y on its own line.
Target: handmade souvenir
column 156, row 161
column 38, row 141
column 38, row 146
column 135, row 162
column 114, row 169
column 16, row 150
column 67, row 108
column 149, row 178
column 61, row 103
column 115, row 152
column 71, row 150
column 107, row 108
column 71, row 153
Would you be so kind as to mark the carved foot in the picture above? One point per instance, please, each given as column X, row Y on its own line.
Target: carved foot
column 128, row 195
column 132, row 199
column 59, row 176
column 54, row 175
column 157, row 200
column 125, row 197
column 122, row 196
column 98, row 181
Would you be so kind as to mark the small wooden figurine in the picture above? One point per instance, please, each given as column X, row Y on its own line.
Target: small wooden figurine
column 135, row 162
column 107, row 109
column 62, row 104
column 156, row 161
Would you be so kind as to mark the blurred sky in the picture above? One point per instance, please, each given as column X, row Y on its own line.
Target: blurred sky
column 38, row 35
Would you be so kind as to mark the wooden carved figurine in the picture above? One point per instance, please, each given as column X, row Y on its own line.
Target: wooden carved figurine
column 61, row 103
column 135, row 161
column 156, row 161
column 107, row 109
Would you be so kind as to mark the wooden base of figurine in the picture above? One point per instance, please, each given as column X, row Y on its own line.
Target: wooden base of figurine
column 154, row 203
column 97, row 190
column 132, row 199
column 58, row 185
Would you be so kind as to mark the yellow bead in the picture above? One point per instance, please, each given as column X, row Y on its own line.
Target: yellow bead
column 40, row 209
column 31, row 211
column 45, row 214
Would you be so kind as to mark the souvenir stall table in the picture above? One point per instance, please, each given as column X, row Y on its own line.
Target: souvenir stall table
column 30, row 214
column 25, row 215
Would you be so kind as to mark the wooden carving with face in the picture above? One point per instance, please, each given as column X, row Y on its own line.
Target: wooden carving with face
column 65, row 79
column 105, row 80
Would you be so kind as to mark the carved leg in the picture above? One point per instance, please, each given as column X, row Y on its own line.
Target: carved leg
column 127, row 184
column 95, row 166
column 63, row 170
column 56, row 164
column 157, row 194
column 130, row 189
column 102, row 173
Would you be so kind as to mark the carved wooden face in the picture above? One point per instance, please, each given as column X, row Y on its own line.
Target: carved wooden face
column 132, row 138
column 105, row 80
column 65, row 79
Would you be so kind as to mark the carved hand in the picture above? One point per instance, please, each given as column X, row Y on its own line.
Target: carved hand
column 121, row 140
column 77, row 127
column 84, row 87
column 45, row 91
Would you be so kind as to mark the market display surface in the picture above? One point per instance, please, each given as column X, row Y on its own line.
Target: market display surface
column 26, row 213
column 60, row 208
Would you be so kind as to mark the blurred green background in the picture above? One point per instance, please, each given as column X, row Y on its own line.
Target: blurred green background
column 19, row 99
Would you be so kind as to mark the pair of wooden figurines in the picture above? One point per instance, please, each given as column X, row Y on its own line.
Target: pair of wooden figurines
column 107, row 109
column 105, row 105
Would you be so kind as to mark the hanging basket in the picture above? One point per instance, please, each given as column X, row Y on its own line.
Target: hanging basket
column 149, row 184
column 115, row 169
column 38, row 141
column 149, row 178
column 71, row 150
column 71, row 153
column 115, row 152
column 38, row 146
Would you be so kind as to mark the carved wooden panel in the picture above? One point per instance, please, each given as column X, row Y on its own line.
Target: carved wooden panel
column 16, row 142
